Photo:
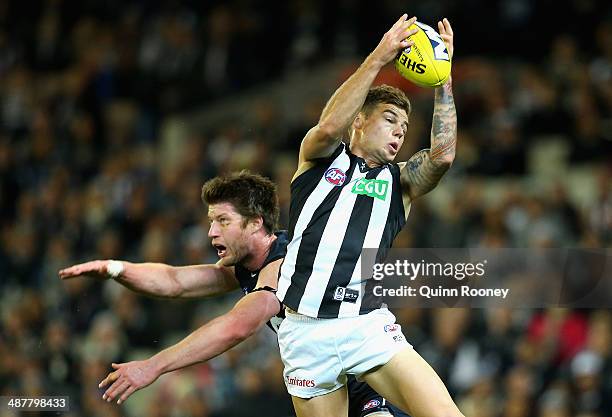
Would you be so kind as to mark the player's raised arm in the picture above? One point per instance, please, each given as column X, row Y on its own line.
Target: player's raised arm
column 343, row 106
column 210, row 340
column 159, row 280
column 424, row 169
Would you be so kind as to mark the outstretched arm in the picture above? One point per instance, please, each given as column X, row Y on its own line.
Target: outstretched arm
column 210, row 340
column 424, row 169
column 160, row 280
column 345, row 103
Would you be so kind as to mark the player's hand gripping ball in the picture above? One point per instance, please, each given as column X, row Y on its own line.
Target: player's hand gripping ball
column 427, row 63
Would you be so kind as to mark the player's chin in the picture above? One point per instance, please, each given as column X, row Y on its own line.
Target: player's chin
column 388, row 156
column 227, row 260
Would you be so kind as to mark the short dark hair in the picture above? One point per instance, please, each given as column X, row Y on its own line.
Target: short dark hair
column 251, row 195
column 386, row 94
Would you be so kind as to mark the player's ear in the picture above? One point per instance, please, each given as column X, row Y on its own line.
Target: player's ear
column 256, row 223
column 359, row 120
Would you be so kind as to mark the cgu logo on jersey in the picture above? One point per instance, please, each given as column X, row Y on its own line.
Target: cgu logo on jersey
column 335, row 176
column 371, row 188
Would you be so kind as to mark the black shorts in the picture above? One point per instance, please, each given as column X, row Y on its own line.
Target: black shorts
column 363, row 400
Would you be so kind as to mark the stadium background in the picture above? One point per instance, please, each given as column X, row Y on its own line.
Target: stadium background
column 113, row 114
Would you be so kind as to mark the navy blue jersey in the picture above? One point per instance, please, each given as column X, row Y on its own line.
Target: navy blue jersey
column 248, row 279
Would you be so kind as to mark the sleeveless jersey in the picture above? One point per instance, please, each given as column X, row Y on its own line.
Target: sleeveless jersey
column 248, row 279
column 338, row 207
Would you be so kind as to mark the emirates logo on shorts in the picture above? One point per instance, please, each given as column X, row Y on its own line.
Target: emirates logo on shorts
column 335, row 176
column 300, row 382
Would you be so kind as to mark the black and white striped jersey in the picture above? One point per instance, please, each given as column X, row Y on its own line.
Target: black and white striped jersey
column 338, row 207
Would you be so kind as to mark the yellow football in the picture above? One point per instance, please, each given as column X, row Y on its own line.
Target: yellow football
column 427, row 62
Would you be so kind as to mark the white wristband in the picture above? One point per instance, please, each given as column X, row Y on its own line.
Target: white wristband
column 114, row 268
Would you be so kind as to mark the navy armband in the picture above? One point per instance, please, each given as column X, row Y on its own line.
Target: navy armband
column 273, row 291
column 266, row 288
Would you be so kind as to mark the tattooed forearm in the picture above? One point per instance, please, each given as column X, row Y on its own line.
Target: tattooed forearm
column 424, row 170
column 444, row 126
column 421, row 175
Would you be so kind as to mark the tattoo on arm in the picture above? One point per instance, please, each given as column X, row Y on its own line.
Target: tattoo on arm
column 424, row 170
column 444, row 126
column 421, row 175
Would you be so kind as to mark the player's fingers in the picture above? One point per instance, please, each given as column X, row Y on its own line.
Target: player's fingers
column 400, row 20
column 126, row 394
column 404, row 27
column 441, row 28
column 112, row 377
column 110, row 389
column 116, row 365
column 406, row 43
column 411, row 21
column 447, row 26
column 410, row 32
column 104, row 382
column 116, row 389
column 69, row 272
column 81, row 269
column 405, row 33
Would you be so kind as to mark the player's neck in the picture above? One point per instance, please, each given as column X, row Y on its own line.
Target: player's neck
column 368, row 158
column 259, row 252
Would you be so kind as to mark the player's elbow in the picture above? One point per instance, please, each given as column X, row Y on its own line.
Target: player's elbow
column 328, row 130
column 173, row 287
column 239, row 327
column 241, row 332
column 174, row 291
column 444, row 162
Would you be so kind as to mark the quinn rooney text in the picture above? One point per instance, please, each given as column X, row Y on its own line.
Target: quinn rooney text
column 439, row 291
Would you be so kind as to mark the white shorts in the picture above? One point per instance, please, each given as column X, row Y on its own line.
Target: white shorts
column 319, row 353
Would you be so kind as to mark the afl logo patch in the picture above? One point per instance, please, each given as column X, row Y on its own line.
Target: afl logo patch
column 371, row 404
column 391, row 328
column 335, row 176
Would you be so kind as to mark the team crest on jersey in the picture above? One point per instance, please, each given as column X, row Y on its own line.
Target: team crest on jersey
column 339, row 293
column 346, row 294
column 391, row 327
column 335, row 176
column 371, row 187
column 371, row 404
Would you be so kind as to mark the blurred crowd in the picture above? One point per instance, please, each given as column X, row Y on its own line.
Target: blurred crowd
column 88, row 171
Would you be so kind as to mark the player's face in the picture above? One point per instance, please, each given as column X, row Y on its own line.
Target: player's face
column 384, row 130
column 228, row 233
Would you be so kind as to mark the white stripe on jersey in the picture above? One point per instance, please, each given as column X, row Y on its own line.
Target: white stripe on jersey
column 333, row 236
column 373, row 237
column 313, row 202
